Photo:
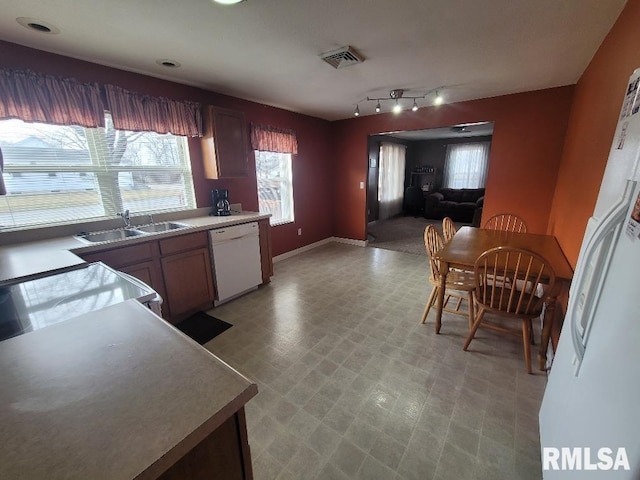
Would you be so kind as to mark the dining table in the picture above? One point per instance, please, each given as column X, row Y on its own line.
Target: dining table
column 469, row 243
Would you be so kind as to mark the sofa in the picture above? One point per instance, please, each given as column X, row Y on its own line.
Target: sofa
column 461, row 205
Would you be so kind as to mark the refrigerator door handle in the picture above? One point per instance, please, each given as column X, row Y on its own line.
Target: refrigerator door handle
column 584, row 296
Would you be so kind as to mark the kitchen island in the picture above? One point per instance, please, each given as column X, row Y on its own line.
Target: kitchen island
column 120, row 394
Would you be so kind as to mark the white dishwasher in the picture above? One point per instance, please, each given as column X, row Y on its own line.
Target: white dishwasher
column 235, row 253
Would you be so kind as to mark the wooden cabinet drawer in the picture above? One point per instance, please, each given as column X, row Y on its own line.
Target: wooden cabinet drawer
column 182, row 243
column 121, row 256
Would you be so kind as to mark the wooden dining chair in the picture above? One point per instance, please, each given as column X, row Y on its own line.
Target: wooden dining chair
column 508, row 284
column 507, row 222
column 457, row 281
column 448, row 229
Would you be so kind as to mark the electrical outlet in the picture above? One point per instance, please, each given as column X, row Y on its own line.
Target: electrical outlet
column 361, row 185
column 299, row 231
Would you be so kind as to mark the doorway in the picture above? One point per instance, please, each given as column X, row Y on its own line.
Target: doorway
column 428, row 169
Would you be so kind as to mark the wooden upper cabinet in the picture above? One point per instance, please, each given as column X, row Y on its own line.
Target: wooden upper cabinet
column 224, row 144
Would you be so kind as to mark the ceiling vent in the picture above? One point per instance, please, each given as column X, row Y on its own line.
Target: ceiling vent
column 342, row 57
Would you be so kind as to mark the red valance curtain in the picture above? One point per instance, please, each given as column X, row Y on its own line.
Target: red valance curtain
column 273, row 139
column 136, row 112
column 34, row 97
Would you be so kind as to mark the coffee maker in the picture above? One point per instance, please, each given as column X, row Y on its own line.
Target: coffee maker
column 220, row 202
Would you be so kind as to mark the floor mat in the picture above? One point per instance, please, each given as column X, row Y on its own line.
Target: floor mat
column 202, row 327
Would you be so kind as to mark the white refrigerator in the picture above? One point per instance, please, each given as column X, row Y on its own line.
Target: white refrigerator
column 590, row 413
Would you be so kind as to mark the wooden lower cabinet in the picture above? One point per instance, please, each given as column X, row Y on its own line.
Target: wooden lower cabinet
column 224, row 454
column 149, row 272
column 188, row 282
column 264, row 229
column 178, row 268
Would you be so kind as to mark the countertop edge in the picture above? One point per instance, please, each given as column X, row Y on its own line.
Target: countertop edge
column 24, row 261
column 198, row 435
column 245, row 217
column 233, row 391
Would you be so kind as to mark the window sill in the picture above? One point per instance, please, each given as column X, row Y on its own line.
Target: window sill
column 280, row 222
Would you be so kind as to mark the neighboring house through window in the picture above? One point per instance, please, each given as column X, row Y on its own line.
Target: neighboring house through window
column 466, row 165
column 275, row 186
column 66, row 174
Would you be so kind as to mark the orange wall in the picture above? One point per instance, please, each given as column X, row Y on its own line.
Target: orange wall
column 594, row 115
column 525, row 153
column 312, row 174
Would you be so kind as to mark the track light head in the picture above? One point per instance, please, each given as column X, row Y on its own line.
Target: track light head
column 399, row 95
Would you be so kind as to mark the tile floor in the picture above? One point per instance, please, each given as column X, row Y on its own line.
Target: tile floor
column 352, row 386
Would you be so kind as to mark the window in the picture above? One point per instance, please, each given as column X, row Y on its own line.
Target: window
column 275, row 186
column 66, row 174
column 391, row 179
column 466, row 165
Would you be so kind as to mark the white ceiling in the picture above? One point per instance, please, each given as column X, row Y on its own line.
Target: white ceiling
column 267, row 50
column 464, row 130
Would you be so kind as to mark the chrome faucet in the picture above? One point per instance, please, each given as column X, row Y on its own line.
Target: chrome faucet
column 127, row 219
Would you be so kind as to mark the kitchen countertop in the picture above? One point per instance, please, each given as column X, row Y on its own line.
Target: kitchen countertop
column 115, row 394
column 33, row 259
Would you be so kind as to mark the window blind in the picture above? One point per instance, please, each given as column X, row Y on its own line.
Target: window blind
column 66, row 174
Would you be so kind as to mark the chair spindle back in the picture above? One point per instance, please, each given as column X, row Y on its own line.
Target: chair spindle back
column 448, row 229
column 433, row 242
column 506, row 222
column 507, row 279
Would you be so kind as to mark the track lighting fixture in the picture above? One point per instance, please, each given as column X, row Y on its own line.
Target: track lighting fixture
column 398, row 95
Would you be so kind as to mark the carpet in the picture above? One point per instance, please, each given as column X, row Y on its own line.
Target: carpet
column 401, row 234
column 202, row 327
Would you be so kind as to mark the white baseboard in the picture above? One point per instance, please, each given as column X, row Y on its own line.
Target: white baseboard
column 297, row 251
column 350, row 241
